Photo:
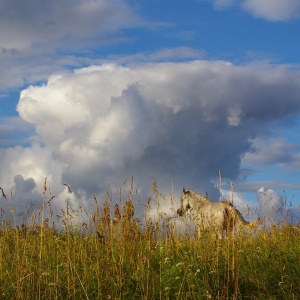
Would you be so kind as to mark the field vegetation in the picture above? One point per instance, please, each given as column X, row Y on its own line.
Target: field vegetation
column 115, row 252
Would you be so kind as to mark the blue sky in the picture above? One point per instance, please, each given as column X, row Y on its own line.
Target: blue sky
column 95, row 90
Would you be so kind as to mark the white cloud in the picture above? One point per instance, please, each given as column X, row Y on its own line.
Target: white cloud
column 253, row 186
column 273, row 207
column 30, row 162
column 165, row 54
column 223, row 3
column 37, row 40
column 273, row 151
column 65, row 23
column 179, row 123
column 274, row 10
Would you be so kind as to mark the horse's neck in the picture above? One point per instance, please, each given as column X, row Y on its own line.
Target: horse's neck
column 199, row 200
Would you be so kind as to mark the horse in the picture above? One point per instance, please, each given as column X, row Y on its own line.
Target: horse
column 221, row 217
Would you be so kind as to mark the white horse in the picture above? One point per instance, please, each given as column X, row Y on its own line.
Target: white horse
column 219, row 217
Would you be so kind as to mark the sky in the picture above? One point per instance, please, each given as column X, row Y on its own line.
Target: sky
column 94, row 91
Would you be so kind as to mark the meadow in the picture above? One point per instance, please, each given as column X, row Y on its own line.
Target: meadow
column 112, row 254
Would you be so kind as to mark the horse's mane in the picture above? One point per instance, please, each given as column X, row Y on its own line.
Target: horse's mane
column 198, row 198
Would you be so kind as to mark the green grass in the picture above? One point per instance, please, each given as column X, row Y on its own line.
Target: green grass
column 144, row 260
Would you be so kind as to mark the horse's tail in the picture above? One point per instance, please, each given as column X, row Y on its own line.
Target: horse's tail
column 236, row 218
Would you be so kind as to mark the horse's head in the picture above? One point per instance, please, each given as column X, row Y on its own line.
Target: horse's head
column 184, row 202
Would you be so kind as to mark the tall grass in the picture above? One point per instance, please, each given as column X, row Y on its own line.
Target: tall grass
column 112, row 255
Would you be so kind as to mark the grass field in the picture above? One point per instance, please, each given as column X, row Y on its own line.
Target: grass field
column 111, row 255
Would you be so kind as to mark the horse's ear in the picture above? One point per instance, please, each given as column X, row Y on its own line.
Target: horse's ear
column 185, row 191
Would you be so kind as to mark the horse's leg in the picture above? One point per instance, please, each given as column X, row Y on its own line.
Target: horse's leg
column 220, row 234
column 198, row 233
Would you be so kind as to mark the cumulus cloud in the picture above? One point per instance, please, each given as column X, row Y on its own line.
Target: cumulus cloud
column 24, row 191
column 25, row 195
column 274, row 208
column 179, row 123
column 34, row 163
